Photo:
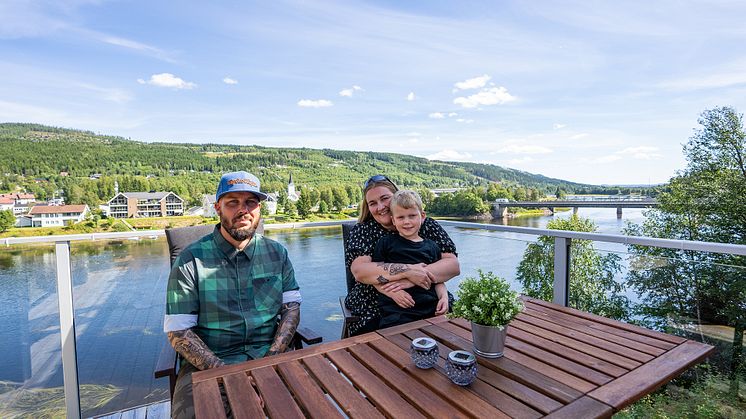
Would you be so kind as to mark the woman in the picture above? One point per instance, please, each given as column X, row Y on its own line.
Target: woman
column 391, row 279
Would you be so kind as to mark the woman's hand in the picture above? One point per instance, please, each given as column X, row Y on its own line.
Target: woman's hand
column 418, row 275
column 397, row 285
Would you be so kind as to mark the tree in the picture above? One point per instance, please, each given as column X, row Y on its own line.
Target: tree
column 7, row 220
column 592, row 284
column 704, row 202
column 304, row 203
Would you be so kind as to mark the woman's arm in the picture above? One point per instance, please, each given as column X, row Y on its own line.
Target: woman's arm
column 368, row 272
column 445, row 268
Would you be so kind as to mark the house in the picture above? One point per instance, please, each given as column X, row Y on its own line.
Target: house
column 17, row 201
column 7, row 203
column 57, row 215
column 23, row 221
column 292, row 193
column 145, row 204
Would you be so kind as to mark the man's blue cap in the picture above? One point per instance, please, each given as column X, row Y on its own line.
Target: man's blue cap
column 239, row 182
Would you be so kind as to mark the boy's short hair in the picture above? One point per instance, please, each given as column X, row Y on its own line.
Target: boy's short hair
column 407, row 199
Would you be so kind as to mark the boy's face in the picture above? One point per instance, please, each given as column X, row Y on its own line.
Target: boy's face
column 407, row 221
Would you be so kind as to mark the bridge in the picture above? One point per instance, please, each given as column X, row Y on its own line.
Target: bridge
column 500, row 209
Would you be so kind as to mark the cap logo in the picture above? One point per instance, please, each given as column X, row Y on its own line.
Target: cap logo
column 246, row 181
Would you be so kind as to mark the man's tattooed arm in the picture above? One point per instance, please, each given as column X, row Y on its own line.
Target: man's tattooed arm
column 193, row 349
column 382, row 280
column 289, row 319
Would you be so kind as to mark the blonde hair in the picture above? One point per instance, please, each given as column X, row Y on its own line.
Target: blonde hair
column 365, row 213
column 407, row 200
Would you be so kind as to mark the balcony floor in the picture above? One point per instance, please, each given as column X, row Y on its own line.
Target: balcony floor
column 159, row 410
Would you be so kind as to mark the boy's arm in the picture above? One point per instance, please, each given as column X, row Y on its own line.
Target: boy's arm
column 442, row 292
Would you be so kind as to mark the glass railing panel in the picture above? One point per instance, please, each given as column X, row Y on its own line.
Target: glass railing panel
column 317, row 255
column 31, row 362
column 119, row 296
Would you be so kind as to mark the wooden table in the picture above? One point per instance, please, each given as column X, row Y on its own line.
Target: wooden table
column 559, row 362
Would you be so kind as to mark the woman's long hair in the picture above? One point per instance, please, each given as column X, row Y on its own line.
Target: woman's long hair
column 365, row 213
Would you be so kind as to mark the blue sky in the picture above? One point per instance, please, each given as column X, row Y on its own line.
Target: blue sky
column 594, row 92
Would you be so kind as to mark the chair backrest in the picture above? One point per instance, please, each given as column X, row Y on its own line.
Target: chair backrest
column 181, row 237
column 346, row 227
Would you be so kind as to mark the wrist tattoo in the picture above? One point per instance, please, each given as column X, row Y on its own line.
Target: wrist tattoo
column 382, row 280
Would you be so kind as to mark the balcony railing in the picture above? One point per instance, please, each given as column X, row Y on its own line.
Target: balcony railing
column 561, row 284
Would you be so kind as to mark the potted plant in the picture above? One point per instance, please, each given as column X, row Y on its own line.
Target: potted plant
column 490, row 304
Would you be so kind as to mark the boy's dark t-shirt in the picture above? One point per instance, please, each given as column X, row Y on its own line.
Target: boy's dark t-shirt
column 396, row 249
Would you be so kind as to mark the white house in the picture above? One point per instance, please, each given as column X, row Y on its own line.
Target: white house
column 7, row 203
column 145, row 204
column 57, row 215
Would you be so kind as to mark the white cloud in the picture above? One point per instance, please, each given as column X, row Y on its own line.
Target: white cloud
column 436, row 115
column 452, row 114
column 228, row 80
column 608, row 159
column 578, row 136
column 642, row 152
column 489, row 96
column 466, row 121
column 413, row 134
column 168, row 80
column 308, row 103
column 516, row 148
column 475, row 83
column 449, row 155
column 558, row 126
column 410, row 96
column 349, row 92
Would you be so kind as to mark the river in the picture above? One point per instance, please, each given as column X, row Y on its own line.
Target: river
column 119, row 299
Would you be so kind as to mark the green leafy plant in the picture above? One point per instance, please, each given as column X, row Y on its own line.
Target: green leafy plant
column 486, row 300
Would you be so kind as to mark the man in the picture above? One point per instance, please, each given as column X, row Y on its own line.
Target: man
column 226, row 290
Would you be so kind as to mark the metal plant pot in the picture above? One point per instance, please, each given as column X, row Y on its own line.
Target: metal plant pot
column 489, row 341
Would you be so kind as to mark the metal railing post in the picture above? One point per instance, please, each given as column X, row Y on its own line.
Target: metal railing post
column 561, row 286
column 67, row 329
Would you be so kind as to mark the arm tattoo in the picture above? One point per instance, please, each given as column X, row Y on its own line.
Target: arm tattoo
column 393, row 268
column 382, row 280
column 193, row 349
column 397, row 268
column 289, row 319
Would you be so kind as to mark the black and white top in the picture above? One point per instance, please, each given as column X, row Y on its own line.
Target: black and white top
column 362, row 301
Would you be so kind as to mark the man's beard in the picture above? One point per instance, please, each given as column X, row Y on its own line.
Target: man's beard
column 238, row 234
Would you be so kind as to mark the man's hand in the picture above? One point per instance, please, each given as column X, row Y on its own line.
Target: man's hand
column 442, row 307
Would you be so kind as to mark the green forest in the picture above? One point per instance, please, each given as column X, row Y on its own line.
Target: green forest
column 84, row 166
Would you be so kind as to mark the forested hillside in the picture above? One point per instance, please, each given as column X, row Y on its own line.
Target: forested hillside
column 44, row 160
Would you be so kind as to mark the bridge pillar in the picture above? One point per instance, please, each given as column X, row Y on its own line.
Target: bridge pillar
column 551, row 210
column 574, row 210
column 618, row 212
column 499, row 211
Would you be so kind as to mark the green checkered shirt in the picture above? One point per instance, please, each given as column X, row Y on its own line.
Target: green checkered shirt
column 230, row 298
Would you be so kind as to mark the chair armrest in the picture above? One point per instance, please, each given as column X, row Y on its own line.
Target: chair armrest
column 346, row 313
column 308, row 336
column 166, row 365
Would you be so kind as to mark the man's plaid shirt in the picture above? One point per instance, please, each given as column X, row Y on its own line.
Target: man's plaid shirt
column 230, row 298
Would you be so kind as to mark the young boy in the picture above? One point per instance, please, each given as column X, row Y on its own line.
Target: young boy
column 408, row 247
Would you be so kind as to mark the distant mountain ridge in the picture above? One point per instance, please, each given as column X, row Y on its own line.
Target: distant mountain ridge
column 44, row 152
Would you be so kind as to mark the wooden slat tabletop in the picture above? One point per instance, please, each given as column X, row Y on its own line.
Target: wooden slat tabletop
column 558, row 362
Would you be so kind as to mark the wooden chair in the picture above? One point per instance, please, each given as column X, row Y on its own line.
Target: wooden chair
column 178, row 239
column 349, row 318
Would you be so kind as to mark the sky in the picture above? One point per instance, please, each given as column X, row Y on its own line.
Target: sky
column 602, row 92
